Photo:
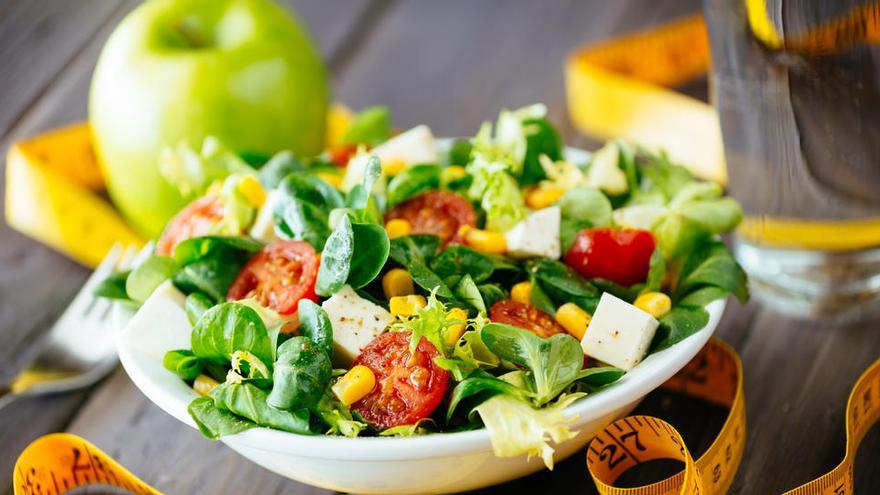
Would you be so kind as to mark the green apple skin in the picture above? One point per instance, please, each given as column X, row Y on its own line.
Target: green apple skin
column 177, row 71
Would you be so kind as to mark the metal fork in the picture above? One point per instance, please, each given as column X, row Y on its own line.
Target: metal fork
column 79, row 349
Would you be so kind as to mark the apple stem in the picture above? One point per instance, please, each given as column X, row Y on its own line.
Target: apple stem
column 191, row 35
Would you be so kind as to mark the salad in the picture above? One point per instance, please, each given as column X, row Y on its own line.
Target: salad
column 401, row 285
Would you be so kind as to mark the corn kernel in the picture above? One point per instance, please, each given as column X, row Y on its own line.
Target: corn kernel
column 452, row 173
column 203, row 384
column 406, row 305
column 484, row 240
column 455, row 331
column 397, row 282
column 543, row 196
column 252, row 190
column 656, row 304
column 339, row 118
column 573, row 319
column 522, row 292
column 354, row 385
column 393, row 166
column 398, row 227
column 334, row 180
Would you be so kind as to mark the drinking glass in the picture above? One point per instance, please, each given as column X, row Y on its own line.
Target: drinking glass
column 797, row 88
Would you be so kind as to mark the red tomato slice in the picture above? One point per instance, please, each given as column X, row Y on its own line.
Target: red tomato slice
column 619, row 255
column 278, row 276
column 440, row 213
column 196, row 219
column 525, row 316
column 408, row 386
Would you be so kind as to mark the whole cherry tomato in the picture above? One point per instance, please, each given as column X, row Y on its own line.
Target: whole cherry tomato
column 618, row 255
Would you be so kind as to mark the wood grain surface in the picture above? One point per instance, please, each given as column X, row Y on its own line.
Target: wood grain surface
column 449, row 64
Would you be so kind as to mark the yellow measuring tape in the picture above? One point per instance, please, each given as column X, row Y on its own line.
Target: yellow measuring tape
column 715, row 375
column 57, row 463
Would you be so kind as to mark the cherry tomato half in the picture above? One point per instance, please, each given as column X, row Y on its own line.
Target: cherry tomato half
column 341, row 155
column 440, row 213
column 619, row 255
column 278, row 276
column 524, row 316
column 196, row 219
column 408, row 386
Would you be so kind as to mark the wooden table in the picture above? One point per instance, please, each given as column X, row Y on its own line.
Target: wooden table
column 450, row 64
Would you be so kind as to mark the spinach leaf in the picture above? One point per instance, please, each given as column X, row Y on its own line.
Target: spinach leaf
column 302, row 373
column 482, row 386
column 183, row 363
column 467, row 291
column 196, row 248
column 150, row 274
column 411, row 252
column 370, row 126
column 409, row 248
column 553, row 363
column 539, row 298
column 113, row 287
column 712, row 265
column 461, row 260
column 230, row 327
column 303, row 208
column 249, row 401
column 656, row 272
column 491, row 294
column 411, row 182
column 582, row 208
column 354, row 254
column 664, row 175
column 196, row 305
column 359, row 195
column 555, row 274
column 336, row 259
column 677, row 325
column 460, row 152
column 213, row 422
column 210, row 264
column 703, row 296
column 371, row 248
column 315, row 325
column 615, row 289
column 541, row 139
column 600, row 375
column 278, row 167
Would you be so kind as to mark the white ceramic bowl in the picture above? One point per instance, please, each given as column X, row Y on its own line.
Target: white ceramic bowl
column 439, row 463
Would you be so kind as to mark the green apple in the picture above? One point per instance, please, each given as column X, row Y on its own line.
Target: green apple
column 177, row 71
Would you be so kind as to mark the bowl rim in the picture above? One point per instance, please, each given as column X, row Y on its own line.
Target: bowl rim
column 631, row 388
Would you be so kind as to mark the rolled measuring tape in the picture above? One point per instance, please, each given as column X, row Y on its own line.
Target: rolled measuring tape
column 715, row 375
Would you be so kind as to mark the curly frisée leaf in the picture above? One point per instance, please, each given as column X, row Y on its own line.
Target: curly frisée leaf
column 516, row 428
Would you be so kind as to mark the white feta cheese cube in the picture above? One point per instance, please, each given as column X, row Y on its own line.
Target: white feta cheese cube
column 619, row 333
column 263, row 229
column 159, row 325
column 411, row 147
column 356, row 321
column 537, row 235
